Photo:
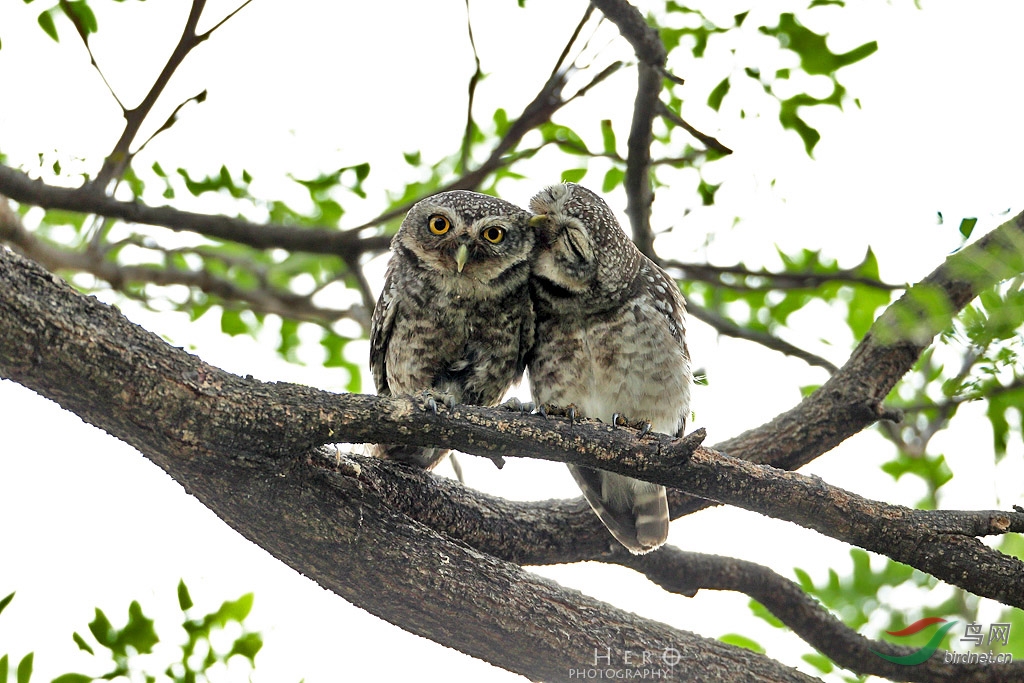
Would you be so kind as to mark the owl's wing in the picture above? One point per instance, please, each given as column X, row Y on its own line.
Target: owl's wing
column 668, row 300
column 381, row 325
column 636, row 512
column 527, row 335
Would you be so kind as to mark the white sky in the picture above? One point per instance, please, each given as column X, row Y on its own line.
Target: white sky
column 307, row 86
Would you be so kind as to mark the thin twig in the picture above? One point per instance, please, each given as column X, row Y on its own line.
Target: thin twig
column 709, row 141
column 467, row 138
column 120, row 156
column 19, row 187
column 730, row 329
column 84, row 35
column 703, row 272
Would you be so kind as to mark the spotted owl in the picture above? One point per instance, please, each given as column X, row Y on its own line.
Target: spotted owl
column 611, row 342
column 455, row 320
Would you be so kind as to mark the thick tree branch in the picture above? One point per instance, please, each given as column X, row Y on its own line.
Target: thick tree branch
column 942, row 543
column 939, row 543
column 238, row 446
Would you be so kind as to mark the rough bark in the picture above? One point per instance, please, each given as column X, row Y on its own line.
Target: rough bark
column 245, row 449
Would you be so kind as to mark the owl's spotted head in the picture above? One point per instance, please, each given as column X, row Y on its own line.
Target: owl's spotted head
column 469, row 240
column 580, row 246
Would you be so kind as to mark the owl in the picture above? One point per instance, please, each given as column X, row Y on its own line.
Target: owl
column 610, row 341
column 455, row 319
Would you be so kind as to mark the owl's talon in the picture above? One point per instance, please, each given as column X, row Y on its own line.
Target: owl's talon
column 645, row 428
column 431, row 398
column 515, row 405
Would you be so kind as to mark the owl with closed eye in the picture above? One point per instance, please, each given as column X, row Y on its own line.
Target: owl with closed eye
column 611, row 342
column 455, row 319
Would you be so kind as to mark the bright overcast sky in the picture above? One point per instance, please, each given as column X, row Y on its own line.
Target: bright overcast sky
column 307, row 87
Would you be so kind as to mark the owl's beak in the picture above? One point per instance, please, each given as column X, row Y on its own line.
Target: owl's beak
column 461, row 256
column 538, row 220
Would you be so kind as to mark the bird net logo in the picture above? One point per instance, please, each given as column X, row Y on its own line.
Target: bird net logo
column 973, row 633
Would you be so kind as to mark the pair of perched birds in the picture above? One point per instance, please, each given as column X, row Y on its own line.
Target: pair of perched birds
column 479, row 289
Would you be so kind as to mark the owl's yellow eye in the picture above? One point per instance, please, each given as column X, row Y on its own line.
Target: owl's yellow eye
column 438, row 224
column 494, row 234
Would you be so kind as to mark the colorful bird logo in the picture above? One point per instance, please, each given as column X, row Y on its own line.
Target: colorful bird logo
column 928, row 650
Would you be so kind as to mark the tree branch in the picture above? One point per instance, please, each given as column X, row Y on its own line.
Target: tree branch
column 730, row 329
column 708, row 141
column 120, row 156
column 262, row 299
column 243, row 448
column 19, row 187
column 684, row 573
column 716, row 275
column 939, row 543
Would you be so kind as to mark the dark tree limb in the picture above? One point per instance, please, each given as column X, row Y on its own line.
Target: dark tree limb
column 683, row 572
column 243, row 448
column 947, row 549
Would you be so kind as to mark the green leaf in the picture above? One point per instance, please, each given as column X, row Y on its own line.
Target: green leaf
column 4, row 669
column 184, row 599
column 80, row 642
column 3, row 604
column 73, row 678
column 718, row 93
column 707, row 192
column 46, row 23
column 81, row 14
column 612, row 179
column 815, row 56
column 791, row 120
column 248, row 645
column 231, row 610
column 761, row 612
column 573, row 175
column 138, row 632
column 233, row 323
column 608, row 136
column 25, row 668
column 413, row 158
column 102, row 629
column 967, row 227
column 742, row 641
column 290, row 341
column 819, row 662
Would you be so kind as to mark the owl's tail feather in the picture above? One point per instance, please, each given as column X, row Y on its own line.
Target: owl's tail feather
column 635, row 512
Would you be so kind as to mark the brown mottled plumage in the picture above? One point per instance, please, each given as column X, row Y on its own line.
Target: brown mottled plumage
column 610, row 340
column 455, row 318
